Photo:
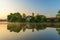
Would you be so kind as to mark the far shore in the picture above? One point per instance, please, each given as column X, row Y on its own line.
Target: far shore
column 29, row 22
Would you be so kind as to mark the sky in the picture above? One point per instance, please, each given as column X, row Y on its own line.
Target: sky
column 48, row 8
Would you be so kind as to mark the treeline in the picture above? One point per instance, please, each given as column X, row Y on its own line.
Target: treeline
column 17, row 17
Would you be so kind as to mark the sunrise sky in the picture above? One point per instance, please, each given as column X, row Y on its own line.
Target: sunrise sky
column 44, row 7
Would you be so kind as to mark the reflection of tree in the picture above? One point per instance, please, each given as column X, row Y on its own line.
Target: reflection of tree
column 40, row 27
column 58, row 30
column 23, row 27
column 14, row 27
column 18, row 27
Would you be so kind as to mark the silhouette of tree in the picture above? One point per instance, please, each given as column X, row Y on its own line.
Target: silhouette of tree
column 38, row 18
column 24, row 17
column 13, row 17
column 58, row 14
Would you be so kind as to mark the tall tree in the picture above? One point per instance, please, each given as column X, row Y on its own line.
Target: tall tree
column 58, row 14
column 43, row 19
column 24, row 17
column 38, row 18
column 14, row 17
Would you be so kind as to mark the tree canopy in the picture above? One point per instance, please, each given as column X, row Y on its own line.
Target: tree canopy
column 17, row 17
column 58, row 13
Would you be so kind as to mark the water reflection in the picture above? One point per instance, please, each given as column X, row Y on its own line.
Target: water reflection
column 17, row 31
column 53, row 24
column 19, row 27
column 58, row 30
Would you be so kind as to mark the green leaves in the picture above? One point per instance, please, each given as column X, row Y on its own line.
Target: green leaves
column 40, row 18
column 17, row 17
column 14, row 17
column 58, row 14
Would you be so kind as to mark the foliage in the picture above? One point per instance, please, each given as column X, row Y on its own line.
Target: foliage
column 43, row 19
column 32, row 19
column 58, row 13
column 40, row 18
column 37, row 18
column 17, row 17
column 24, row 17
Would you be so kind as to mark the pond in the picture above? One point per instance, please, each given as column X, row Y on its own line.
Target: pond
column 18, row 31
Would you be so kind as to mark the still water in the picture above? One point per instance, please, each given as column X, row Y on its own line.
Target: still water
column 16, row 31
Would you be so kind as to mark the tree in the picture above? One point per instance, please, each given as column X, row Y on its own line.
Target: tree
column 14, row 17
column 59, row 11
column 58, row 14
column 24, row 17
column 9, row 17
column 43, row 19
column 32, row 19
column 37, row 18
column 18, row 16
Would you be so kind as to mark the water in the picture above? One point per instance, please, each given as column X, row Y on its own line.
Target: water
column 16, row 31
